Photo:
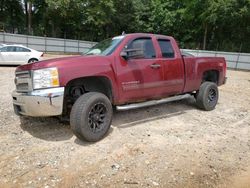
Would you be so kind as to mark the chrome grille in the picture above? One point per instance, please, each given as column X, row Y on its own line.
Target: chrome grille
column 23, row 81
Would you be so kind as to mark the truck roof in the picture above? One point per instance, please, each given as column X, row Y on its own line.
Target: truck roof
column 147, row 34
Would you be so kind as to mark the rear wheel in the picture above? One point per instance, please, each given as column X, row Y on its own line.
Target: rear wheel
column 33, row 60
column 207, row 96
column 91, row 116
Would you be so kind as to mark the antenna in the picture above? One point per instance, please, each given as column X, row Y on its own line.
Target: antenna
column 123, row 33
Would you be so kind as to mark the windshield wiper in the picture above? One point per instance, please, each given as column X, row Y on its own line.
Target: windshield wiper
column 89, row 54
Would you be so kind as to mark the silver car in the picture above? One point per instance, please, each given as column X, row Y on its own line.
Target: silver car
column 18, row 55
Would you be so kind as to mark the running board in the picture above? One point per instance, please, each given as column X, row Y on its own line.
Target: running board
column 151, row 103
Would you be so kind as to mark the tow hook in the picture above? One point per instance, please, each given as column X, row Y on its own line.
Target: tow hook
column 50, row 100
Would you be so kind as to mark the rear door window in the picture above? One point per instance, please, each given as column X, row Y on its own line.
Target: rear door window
column 167, row 49
column 21, row 49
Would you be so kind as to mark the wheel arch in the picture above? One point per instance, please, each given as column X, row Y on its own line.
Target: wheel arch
column 210, row 76
column 32, row 58
column 100, row 84
column 79, row 86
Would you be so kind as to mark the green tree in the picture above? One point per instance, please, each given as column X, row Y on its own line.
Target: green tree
column 198, row 24
column 11, row 15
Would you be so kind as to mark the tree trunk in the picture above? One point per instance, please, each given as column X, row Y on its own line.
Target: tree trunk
column 53, row 31
column 29, row 18
column 26, row 14
column 12, row 18
column 205, row 37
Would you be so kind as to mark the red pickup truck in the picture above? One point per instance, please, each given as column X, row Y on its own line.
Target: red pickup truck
column 126, row 72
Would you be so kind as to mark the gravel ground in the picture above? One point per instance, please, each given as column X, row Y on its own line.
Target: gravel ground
column 170, row 145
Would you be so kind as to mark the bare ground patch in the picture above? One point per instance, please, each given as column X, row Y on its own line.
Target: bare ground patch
column 170, row 145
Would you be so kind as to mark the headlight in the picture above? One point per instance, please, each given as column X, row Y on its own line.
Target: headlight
column 45, row 78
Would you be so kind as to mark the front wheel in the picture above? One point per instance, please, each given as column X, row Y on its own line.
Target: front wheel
column 91, row 116
column 207, row 96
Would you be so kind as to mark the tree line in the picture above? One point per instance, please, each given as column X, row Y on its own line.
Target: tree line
column 197, row 24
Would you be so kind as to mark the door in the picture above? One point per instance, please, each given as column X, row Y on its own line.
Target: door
column 22, row 55
column 8, row 55
column 1, row 56
column 173, row 67
column 140, row 77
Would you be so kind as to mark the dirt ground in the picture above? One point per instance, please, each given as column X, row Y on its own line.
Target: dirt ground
column 170, row 145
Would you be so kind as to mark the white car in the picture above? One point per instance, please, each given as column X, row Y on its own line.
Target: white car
column 18, row 54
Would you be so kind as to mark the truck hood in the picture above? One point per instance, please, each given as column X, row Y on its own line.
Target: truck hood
column 66, row 62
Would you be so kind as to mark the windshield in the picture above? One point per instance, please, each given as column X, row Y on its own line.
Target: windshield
column 105, row 47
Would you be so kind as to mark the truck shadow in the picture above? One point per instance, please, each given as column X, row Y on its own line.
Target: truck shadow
column 131, row 118
column 7, row 66
column 50, row 129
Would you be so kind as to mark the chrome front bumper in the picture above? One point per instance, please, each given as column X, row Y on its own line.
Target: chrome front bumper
column 39, row 103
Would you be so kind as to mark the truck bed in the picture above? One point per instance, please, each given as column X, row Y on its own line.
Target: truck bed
column 195, row 68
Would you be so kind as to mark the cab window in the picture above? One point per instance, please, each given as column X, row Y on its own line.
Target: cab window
column 167, row 49
column 144, row 44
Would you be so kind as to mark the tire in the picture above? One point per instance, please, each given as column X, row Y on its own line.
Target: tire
column 207, row 97
column 33, row 60
column 91, row 116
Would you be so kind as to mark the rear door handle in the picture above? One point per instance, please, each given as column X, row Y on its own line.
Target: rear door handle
column 155, row 66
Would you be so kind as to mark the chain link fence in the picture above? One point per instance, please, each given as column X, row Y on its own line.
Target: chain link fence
column 234, row 60
column 46, row 44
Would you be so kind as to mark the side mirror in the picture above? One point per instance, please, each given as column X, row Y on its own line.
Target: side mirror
column 124, row 54
column 132, row 53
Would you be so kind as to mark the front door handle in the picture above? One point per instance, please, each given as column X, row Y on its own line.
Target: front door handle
column 155, row 66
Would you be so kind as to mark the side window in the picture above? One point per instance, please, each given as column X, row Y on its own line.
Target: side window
column 11, row 49
column 4, row 49
column 144, row 44
column 21, row 49
column 166, row 48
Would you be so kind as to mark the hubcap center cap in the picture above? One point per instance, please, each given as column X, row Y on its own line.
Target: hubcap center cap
column 96, row 117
